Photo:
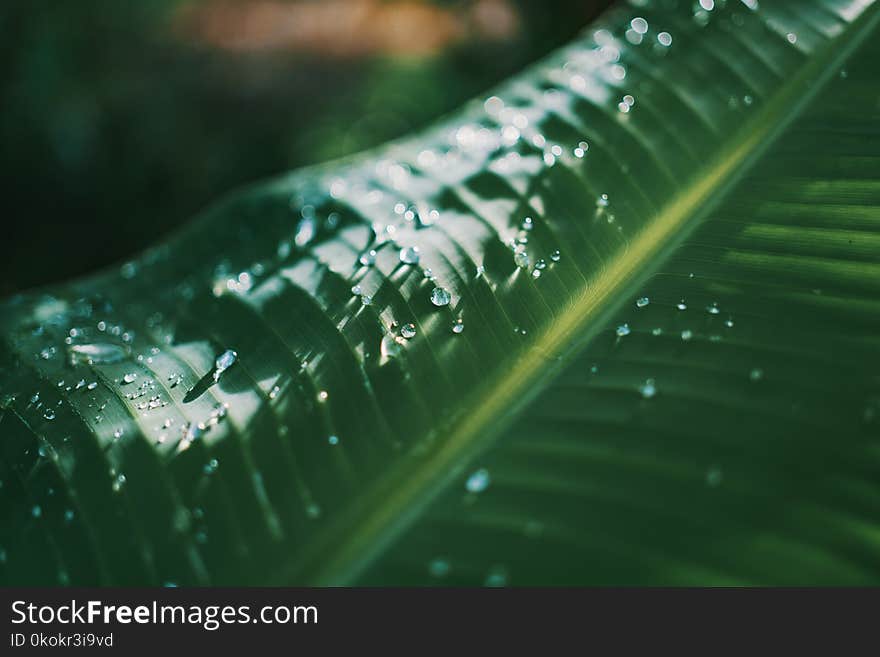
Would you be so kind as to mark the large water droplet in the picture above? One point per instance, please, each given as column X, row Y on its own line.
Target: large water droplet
column 641, row 302
column 408, row 330
column 223, row 362
column 440, row 296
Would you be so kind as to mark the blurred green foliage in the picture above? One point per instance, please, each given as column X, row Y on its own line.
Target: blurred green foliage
column 116, row 128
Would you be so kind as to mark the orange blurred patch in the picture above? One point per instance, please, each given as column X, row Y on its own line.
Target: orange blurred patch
column 344, row 28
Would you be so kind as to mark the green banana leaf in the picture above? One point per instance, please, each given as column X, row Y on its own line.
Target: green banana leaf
column 614, row 323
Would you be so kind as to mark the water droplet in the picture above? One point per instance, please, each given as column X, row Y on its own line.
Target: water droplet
column 493, row 105
column 639, row 25
column 118, row 483
column 389, row 347
column 457, row 326
column 305, row 230
column 497, row 576
column 408, row 331
column 714, row 476
column 366, row 300
column 333, row 440
column 648, row 389
column 521, row 259
column 641, row 302
column 118, row 433
column 602, row 201
column 664, row 39
column 129, row 378
column 681, row 305
column 527, row 223
column 728, row 323
column 555, row 256
column 439, row 568
column 223, row 362
column 478, row 481
column 541, row 264
column 440, row 296
column 323, row 396
column 756, row 374
column 211, row 466
column 49, row 414
column 687, row 334
column 128, row 270
column 712, row 309
column 368, row 258
column 36, row 510
column 356, row 290
column 69, row 516
column 623, row 330
column 410, row 255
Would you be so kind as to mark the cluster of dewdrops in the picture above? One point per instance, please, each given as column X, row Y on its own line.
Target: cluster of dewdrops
column 500, row 140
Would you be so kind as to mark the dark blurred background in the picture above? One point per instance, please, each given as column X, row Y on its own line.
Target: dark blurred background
column 122, row 119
